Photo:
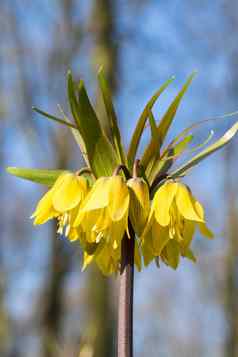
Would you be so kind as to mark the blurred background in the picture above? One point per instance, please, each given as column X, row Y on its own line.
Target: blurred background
column 48, row 308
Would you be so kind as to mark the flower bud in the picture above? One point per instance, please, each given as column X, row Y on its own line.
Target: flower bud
column 139, row 204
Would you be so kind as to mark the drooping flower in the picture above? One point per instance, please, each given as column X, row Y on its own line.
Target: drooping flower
column 107, row 258
column 62, row 201
column 103, row 220
column 174, row 216
column 139, row 204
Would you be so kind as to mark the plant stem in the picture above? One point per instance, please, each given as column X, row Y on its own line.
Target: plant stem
column 125, row 308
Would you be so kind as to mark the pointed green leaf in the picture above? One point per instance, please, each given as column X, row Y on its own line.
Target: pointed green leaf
column 200, row 123
column 80, row 143
column 206, row 152
column 116, row 136
column 54, row 118
column 167, row 119
column 44, row 177
column 100, row 153
column 162, row 165
column 166, row 122
column 153, row 126
column 142, row 122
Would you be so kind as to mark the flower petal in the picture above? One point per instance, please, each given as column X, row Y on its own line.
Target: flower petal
column 188, row 253
column 87, row 259
column 199, row 208
column 139, row 208
column 188, row 232
column 205, row 231
column 98, row 196
column 44, row 210
column 172, row 254
column 147, row 249
column 119, row 198
column 69, row 194
column 184, row 202
column 162, row 202
column 160, row 237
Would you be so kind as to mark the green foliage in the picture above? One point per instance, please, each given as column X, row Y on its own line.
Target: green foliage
column 151, row 153
column 140, row 126
column 112, row 121
column 44, row 177
column 206, row 152
column 100, row 152
column 103, row 153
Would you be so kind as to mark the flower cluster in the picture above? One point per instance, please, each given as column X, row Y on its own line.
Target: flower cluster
column 147, row 203
column 99, row 217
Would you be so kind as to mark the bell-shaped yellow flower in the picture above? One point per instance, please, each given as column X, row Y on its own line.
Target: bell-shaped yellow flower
column 107, row 258
column 173, row 218
column 139, row 204
column 62, row 201
column 104, row 213
column 103, row 219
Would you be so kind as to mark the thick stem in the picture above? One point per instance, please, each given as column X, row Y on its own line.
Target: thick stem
column 125, row 308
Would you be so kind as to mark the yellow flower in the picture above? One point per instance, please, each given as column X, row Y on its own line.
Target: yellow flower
column 103, row 219
column 106, row 258
column 173, row 218
column 104, row 213
column 62, row 201
column 139, row 204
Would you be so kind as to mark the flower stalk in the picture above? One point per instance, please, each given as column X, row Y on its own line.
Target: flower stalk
column 125, row 303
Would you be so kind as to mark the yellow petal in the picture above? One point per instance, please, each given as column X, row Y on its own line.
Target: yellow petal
column 139, row 207
column 184, row 202
column 205, row 231
column 160, row 237
column 199, row 208
column 107, row 260
column 188, row 253
column 147, row 249
column 188, row 233
column 162, row 202
column 117, row 230
column 73, row 234
column 102, row 220
column 60, row 180
column 98, row 196
column 69, row 194
column 87, row 259
column 118, row 198
column 172, row 254
column 44, row 210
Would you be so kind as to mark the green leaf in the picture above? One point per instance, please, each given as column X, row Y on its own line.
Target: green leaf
column 168, row 158
column 198, row 124
column 153, row 126
column 206, row 152
column 142, row 122
column 165, row 123
column 156, row 144
column 54, row 118
column 80, row 142
column 44, row 177
column 116, row 136
column 73, row 127
column 100, row 153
